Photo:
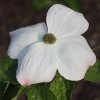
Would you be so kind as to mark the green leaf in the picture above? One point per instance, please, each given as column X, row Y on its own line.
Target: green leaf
column 93, row 74
column 40, row 92
column 42, row 4
column 70, row 85
column 8, row 70
column 74, row 4
column 58, row 88
column 3, row 87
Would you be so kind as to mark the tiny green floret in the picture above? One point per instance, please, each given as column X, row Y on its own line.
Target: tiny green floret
column 49, row 38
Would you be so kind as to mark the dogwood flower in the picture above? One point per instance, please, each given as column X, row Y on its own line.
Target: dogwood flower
column 43, row 49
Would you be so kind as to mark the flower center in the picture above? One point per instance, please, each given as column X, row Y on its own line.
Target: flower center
column 49, row 38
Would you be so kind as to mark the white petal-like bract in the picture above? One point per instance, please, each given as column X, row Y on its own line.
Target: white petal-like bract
column 38, row 65
column 38, row 60
column 23, row 37
column 74, row 57
column 62, row 20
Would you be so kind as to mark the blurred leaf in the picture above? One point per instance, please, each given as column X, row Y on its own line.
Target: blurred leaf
column 40, row 92
column 20, row 92
column 93, row 74
column 8, row 69
column 58, row 88
column 2, row 89
column 11, row 92
column 42, row 4
column 70, row 85
column 74, row 4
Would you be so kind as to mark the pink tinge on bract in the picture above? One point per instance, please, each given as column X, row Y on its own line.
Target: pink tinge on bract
column 25, row 83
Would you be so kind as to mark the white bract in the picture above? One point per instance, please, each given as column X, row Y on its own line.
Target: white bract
column 39, row 58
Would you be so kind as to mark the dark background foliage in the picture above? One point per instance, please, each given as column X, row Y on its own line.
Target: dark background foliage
column 18, row 13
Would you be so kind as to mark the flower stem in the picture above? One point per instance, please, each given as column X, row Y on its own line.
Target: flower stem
column 6, row 88
column 97, row 47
